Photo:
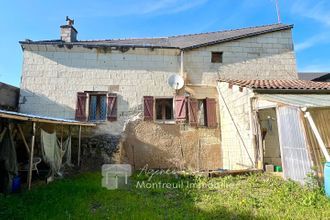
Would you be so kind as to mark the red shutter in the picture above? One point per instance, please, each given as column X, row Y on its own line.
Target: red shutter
column 211, row 114
column 148, row 108
column 193, row 109
column 81, row 106
column 180, row 108
column 112, row 107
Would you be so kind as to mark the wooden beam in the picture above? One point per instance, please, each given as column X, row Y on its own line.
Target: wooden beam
column 31, row 155
column 79, row 145
column 40, row 120
column 23, row 138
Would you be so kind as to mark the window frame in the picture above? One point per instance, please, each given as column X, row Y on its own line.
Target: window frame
column 166, row 121
column 213, row 53
column 99, row 94
column 205, row 114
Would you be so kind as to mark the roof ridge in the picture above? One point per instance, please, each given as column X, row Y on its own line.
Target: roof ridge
column 184, row 35
column 228, row 30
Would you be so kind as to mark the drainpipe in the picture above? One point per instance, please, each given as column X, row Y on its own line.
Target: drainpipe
column 181, row 63
column 317, row 135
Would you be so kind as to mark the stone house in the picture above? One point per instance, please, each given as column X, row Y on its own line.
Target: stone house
column 121, row 84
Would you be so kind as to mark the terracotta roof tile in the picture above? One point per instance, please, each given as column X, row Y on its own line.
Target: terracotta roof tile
column 280, row 84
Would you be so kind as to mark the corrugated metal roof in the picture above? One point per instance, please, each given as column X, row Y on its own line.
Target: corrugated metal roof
column 301, row 100
column 180, row 41
column 39, row 118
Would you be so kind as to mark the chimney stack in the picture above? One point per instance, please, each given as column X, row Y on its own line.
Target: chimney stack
column 68, row 32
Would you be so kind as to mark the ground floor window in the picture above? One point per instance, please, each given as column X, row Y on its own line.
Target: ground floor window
column 97, row 107
column 164, row 109
column 201, row 112
column 181, row 109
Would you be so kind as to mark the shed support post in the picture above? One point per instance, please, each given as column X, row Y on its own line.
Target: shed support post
column 23, row 138
column 31, row 155
column 79, row 145
column 318, row 136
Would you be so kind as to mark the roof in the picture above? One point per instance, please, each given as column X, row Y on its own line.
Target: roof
column 179, row 42
column 316, row 76
column 302, row 85
column 41, row 119
column 301, row 100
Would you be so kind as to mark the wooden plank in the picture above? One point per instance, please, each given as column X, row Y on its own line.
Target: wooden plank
column 25, row 118
column 31, row 155
column 79, row 145
column 23, row 138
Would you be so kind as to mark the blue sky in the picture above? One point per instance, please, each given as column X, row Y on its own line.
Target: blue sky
column 104, row 19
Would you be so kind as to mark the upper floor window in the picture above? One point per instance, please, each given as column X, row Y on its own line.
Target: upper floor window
column 216, row 57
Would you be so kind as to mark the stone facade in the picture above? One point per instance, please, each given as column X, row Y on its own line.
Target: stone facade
column 53, row 75
column 237, row 147
column 267, row 56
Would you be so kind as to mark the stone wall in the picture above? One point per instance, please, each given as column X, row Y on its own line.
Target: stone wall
column 235, row 126
column 53, row 75
column 171, row 146
column 266, row 56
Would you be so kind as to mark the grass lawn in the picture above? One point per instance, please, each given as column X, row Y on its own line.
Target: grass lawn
column 242, row 197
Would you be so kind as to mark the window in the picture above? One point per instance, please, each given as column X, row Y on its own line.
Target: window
column 164, row 109
column 201, row 112
column 97, row 107
column 216, row 57
column 181, row 109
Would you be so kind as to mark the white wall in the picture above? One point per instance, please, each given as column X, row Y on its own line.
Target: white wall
column 235, row 127
column 267, row 56
column 52, row 76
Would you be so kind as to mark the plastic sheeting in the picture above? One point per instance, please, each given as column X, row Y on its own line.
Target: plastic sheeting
column 8, row 162
column 298, row 100
column 53, row 151
column 294, row 150
column 321, row 117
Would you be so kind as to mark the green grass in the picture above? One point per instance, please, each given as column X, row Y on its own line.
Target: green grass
column 243, row 197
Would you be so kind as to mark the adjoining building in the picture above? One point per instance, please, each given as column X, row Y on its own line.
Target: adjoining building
column 275, row 122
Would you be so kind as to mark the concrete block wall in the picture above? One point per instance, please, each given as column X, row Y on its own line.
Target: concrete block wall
column 266, row 56
column 236, row 153
column 52, row 77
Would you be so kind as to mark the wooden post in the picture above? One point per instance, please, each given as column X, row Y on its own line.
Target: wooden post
column 79, row 145
column 62, row 137
column 31, row 155
column 23, row 138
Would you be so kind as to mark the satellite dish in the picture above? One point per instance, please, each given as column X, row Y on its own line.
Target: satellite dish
column 175, row 81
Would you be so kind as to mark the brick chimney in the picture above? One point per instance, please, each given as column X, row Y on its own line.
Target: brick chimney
column 68, row 32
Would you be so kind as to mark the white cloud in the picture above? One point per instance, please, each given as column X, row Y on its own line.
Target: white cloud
column 316, row 11
column 171, row 6
column 146, row 7
column 310, row 42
